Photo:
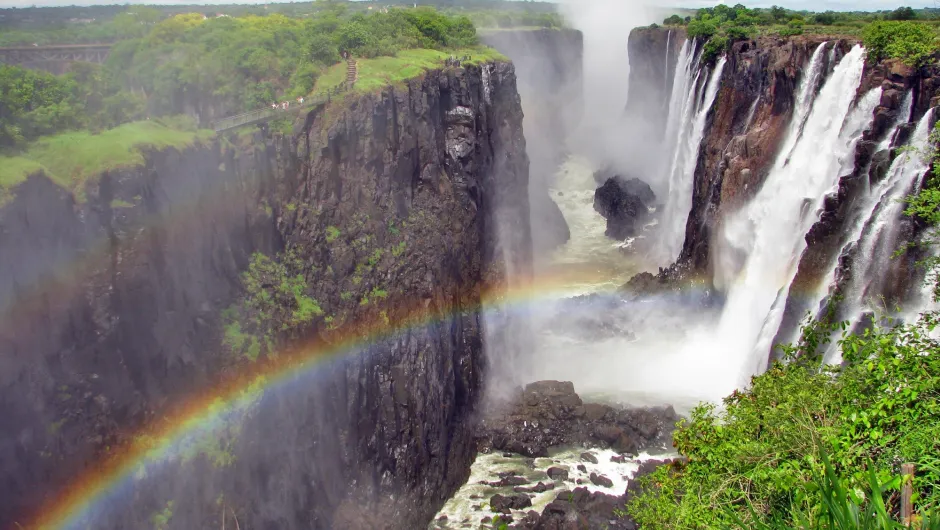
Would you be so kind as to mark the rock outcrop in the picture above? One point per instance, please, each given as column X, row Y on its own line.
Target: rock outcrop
column 396, row 196
column 626, row 204
column 550, row 414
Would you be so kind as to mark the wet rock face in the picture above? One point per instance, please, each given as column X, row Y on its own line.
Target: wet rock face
column 550, row 414
column 380, row 437
column 625, row 203
column 743, row 132
column 549, row 228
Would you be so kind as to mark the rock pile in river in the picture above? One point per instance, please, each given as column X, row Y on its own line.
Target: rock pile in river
column 550, row 414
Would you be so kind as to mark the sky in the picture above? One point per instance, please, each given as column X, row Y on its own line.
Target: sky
column 814, row 5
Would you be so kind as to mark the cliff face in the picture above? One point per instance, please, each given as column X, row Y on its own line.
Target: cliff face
column 653, row 55
column 743, row 133
column 117, row 306
column 549, row 65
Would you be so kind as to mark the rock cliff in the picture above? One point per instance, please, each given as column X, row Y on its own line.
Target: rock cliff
column 114, row 295
column 549, row 65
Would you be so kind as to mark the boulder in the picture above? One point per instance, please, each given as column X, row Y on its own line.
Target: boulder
column 588, row 457
column 506, row 503
column 601, row 480
column 550, row 414
column 625, row 204
column 557, row 473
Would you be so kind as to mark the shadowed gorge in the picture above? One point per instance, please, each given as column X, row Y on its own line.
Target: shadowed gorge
column 475, row 264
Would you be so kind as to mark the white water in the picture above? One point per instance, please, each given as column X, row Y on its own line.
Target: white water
column 770, row 230
column 470, row 505
column 876, row 233
column 682, row 172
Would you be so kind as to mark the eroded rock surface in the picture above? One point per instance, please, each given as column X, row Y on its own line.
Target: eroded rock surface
column 626, row 204
column 550, row 414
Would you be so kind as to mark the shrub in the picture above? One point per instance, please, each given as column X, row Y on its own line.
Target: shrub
column 912, row 43
column 674, row 20
column 703, row 28
column 735, row 33
column 902, row 13
column 713, row 48
column 825, row 19
column 756, row 459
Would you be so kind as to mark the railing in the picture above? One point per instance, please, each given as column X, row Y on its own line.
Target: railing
column 263, row 115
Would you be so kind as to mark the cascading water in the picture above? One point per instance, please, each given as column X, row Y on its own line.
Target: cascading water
column 691, row 131
column 770, row 230
column 876, row 233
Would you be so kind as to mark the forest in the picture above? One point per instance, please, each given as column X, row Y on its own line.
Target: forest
column 162, row 65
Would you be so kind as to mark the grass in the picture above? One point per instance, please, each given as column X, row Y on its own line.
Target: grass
column 13, row 171
column 379, row 72
column 71, row 159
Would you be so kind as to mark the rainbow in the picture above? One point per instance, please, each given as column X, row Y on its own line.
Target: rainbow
column 169, row 437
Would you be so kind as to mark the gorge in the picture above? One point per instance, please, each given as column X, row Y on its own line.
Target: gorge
column 500, row 301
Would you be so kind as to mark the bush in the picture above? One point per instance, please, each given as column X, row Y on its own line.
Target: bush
column 912, row 43
column 674, row 20
column 735, row 33
column 825, row 19
column 794, row 27
column 756, row 460
column 902, row 13
column 713, row 48
column 703, row 28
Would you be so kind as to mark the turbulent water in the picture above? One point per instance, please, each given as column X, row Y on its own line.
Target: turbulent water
column 665, row 350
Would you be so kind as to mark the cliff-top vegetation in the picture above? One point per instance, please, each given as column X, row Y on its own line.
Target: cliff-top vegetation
column 904, row 33
column 209, row 67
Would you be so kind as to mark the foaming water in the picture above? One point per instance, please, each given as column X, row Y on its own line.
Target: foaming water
column 769, row 232
column 590, row 261
column 469, row 507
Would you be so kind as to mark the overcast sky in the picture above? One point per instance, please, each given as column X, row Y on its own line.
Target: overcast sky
column 816, row 5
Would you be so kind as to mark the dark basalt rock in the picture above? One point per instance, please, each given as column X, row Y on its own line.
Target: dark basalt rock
column 625, row 203
column 506, row 503
column 550, row 414
column 601, row 480
column 557, row 473
column 550, row 230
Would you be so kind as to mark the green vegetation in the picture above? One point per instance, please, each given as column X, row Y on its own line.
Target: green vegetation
column 161, row 519
column 813, row 446
column 189, row 62
column 275, row 308
column 71, row 158
column 755, row 459
column 914, row 44
column 379, row 72
column 906, row 34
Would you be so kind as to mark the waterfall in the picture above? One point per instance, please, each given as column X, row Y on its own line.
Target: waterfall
column 770, row 230
column 666, row 65
column 875, row 234
column 689, row 129
column 857, row 122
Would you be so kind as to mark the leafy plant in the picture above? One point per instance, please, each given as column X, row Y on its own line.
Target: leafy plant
column 912, row 43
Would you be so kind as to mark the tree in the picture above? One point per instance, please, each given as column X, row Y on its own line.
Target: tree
column 825, row 19
column 902, row 13
column 674, row 20
column 778, row 14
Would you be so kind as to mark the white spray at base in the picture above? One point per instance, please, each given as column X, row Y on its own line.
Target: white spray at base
column 687, row 125
column 769, row 232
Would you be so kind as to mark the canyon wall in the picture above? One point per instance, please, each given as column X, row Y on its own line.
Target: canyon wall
column 743, row 136
column 115, row 296
column 549, row 66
